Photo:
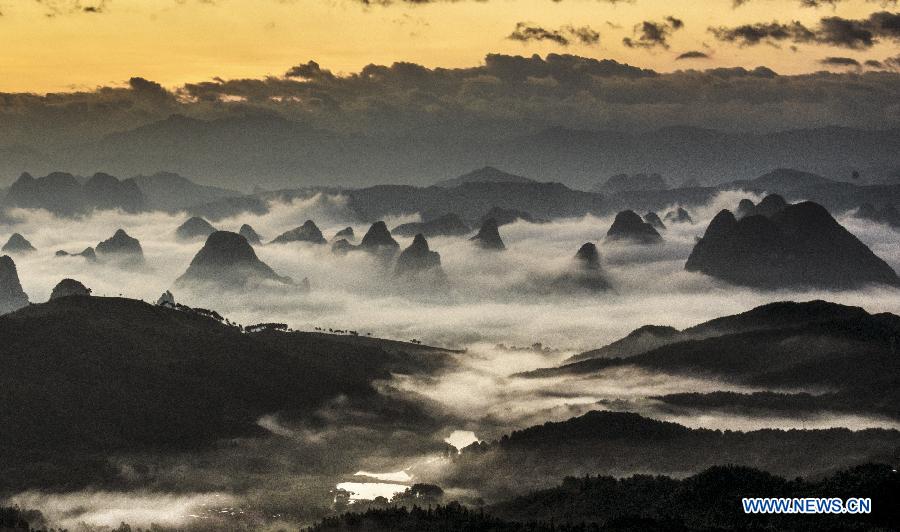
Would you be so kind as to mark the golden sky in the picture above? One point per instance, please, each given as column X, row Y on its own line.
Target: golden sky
column 58, row 45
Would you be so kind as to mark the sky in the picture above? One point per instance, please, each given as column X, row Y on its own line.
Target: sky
column 67, row 45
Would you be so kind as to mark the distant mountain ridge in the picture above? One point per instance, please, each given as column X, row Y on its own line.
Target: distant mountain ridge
column 488, row 174
column 275, row 150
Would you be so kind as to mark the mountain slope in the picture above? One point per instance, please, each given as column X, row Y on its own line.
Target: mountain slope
column 88, row 375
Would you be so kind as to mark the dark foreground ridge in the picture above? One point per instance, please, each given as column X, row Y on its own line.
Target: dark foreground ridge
column 710, row 500
column 168, row 381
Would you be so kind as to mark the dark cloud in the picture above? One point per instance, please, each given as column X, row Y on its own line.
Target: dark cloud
column 820, row 3
column 504, row 96
column 693, row 54
column 67, row 7
column 421, row 2
column 649, row 34
column 310, row 70
column 831, row 31
column 840, row 62
column 763, row 32
column 893, row 62
column 675, row 23
column 874, row 63
column 526, row 33
column 563, row 36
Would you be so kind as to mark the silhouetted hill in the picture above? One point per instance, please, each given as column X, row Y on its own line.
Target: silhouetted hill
column 638, row 341
column 85, row 377
column 308, row 232
column 87, row 253
column 68, row 288
column 195, row 227
column 709, row 500
column 888, row 214
column 800, row 246
column 628, row 226
column 62, row 194
column 471, row 201
column 123, row 247
column 378, row 240
column 585, row 274
column 653, row 219
column 488, row 174
column 346, row 234
column 626, row 183
column 781, row 345
column 171, row 192
column 679, row 216
column 508, row 216
column 106, row 192
column 615, row 443
column 250, row 234
column 488, row 236
column 227, row 261
column 12, row 297
column 17, row 244
column 418, row 258
column 785, row 181
column 446, row 225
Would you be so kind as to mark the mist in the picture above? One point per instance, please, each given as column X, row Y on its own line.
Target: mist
column 494, row 307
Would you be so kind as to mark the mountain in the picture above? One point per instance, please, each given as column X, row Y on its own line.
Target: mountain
column 679, row 216
column 708, row 500
column 888, row 214
column 106, row 192
column 507, row 216
column 121, row 246
column 488, row 236
column 446, row 225
column 786, row 345
column 308, row 232
column 653, row 219
column 194, row 228
column 58, row 192
column 378, row 240
column 171, row 381
column 12, row 297
column 171, row 192
column 585, row 273
column 69, row 288
column 62, row 194
column 88, row 254
column 418, row 258
column 470, row 201
column 342, row 246
column 766, row 317
column 627, row 183
column 17, row 244
column 250, row 235
column 275, row 150
column 785, row 181
column 227, row 261
column 621, row 444
column 638, row 341
column 801, row 246
column 628, row 226
column 346, row 234
column 488, row 174
column 769, row 206
column 745, row 207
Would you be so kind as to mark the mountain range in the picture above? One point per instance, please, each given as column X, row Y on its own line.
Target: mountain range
column 275, row 150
